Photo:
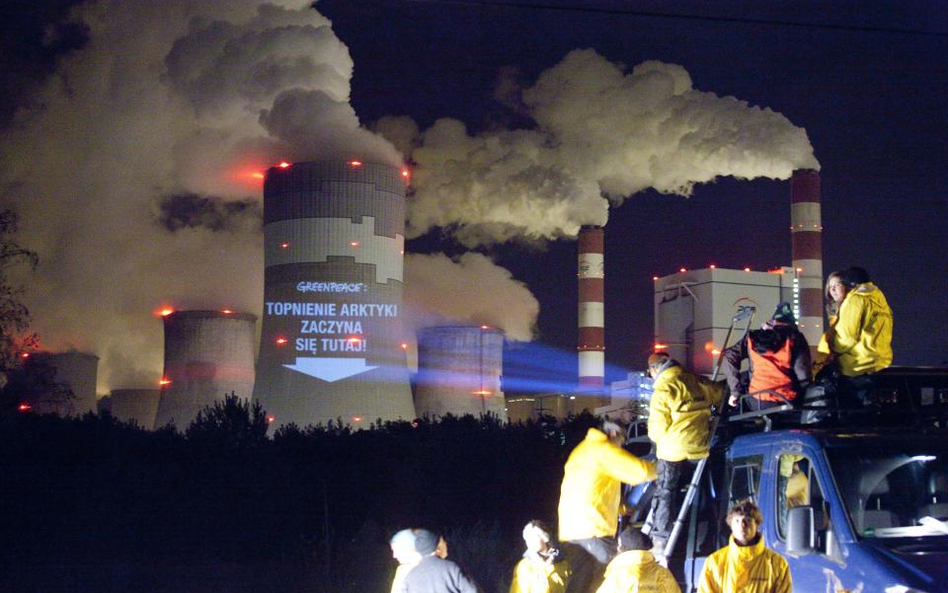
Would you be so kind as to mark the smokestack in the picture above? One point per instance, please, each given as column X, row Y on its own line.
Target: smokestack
column 331, row 343
column 806, row 231
column 208, row 355
column 592, row 343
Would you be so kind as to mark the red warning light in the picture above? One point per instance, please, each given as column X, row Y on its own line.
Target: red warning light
column 405, row 173
column 712, row 266
column 284, row 245
column 715, row 352
column 654, row 278
column 257, row 175
column 481, row 392
column 799, row 270
column 271, row 419
column 404, row 345
column 164, row 381
column 355, row 164
column 166, row 311
column 25, row 355
column 24, row 407
column 354, row 340
column 284, row 164
column 357, row 418
column 747, row 269
column 661, row 347
column 353, row 243
column 485, row 327
column 682, row 270
column 226, row 311
column 281, row 341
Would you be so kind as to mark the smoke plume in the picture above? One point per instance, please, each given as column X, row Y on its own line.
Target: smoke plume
column 136, row 170
column 601, row 135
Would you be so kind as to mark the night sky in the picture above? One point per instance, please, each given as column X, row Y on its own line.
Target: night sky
column 868, row 82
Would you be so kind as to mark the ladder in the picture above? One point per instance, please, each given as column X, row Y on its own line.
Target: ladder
column 743, row 312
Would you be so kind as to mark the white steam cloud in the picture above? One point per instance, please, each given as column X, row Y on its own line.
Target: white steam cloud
column 601, row 135
column 134, row 179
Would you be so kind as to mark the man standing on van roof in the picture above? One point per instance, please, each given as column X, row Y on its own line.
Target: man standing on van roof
column 589, row 502
column 745, row 565
column 678, row 423
column 778, row 359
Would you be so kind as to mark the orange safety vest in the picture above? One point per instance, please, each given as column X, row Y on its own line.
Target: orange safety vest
column 771, row 371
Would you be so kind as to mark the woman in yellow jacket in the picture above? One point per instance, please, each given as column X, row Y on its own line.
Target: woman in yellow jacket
column 543, row 568
column 635, row 569
column 745, row 565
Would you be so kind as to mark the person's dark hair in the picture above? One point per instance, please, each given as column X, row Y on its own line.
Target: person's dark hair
column 634, row 539
column 854, row 276
column 745, row 508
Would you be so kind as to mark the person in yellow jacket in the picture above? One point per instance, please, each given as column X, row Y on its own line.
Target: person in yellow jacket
column 589, row 502
column 543, row 568
column 635, row 569
column 860, row 340
column 678, row 423
column 745, row 565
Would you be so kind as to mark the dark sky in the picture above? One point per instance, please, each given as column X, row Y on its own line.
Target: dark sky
column 867, row 80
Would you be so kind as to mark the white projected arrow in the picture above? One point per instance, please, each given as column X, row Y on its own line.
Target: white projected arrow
column 330, row 369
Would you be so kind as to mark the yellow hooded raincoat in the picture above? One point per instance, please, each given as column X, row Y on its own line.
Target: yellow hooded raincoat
column 538, row 576
column 636, row 571
column 589, row 496
column 680, row 413
column 862, row 336
column 745, row 569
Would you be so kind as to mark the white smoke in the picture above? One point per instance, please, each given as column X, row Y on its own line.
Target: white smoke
column 601, row 134
column 145, row 142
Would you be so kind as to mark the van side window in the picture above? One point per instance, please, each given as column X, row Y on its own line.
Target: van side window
column 797, row 486
column 744, row 477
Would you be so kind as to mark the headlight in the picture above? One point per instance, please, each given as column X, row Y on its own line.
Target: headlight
column 902, row 589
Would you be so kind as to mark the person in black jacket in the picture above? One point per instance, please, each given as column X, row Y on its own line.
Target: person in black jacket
column 434, row 574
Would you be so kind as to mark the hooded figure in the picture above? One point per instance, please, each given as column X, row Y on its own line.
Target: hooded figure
column 778, row 361
column 635, row 569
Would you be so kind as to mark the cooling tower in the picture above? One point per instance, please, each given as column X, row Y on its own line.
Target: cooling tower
column 138, row 405
column 591, row 342
column 806, row 234
column 331, row 343
column 208, row 355
column 459, row 370
column 78, row 371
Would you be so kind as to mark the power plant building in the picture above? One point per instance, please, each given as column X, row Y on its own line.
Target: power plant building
column 694, row 308
column 135, row 405
column 459, row 372
column 332, row 341
column 208, row 356
column 77, row 371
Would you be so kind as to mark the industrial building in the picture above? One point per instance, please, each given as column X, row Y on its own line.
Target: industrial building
column 521, row 408
column 135, row 405
column 694, row 308
column 77, row 371
column 208, row 355
column 332, row 345
column 459, row 371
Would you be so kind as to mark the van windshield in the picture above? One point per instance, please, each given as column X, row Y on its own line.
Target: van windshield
column 892, row 488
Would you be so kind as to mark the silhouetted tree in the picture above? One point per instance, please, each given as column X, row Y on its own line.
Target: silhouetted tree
column 234, row 423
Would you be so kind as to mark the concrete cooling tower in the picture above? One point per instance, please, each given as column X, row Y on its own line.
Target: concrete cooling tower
column 78, row 371
column 138, row 405
column 459, row 371
column 208, row 355
column 331, row 343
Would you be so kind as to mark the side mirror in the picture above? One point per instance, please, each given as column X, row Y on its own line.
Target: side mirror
column 801, row 531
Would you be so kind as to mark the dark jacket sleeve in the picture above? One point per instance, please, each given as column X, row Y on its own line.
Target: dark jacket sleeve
column 461, row 582
column 802, row 365
column 731, row 365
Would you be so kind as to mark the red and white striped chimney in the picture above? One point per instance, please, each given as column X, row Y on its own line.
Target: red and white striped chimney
column 806, row 232
column 592, row 339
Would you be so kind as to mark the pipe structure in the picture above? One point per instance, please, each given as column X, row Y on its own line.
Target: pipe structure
column 806, row 234
column 591, row 343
